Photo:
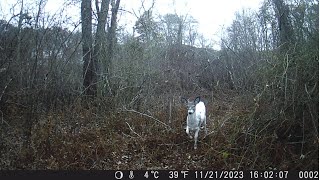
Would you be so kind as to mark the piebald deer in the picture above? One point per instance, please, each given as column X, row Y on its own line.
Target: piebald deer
column 196, row 117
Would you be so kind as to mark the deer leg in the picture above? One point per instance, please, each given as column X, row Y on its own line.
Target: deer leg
column 187, row 131
column 196, row 138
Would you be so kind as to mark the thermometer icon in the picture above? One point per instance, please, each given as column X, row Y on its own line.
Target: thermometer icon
column 131, row 176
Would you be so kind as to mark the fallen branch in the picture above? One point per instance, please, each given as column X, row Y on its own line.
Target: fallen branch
column 3, row 121
column 133, row 130
column 131, row 110
column 5, row 88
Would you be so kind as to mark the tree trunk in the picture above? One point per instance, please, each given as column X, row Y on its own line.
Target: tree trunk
column 179, row 38
column 284, row 25
column 100, row 43
column 112, row 39
column 89, row 65
column 18, row 51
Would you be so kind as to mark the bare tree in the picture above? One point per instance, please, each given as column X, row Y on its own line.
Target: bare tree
column 89, row 66
column 112, row 34
column 18, row 54
column 100, row 41
column 285, row 29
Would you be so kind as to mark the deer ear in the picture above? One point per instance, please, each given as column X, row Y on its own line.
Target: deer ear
column 197, row 100
column 184, row 100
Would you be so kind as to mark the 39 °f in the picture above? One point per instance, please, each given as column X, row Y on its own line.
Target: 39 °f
column 178, row 174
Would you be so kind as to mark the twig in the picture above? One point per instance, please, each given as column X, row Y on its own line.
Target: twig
column 5, row 88
column 131, row 110
column 310, row 111
column 302, row 144
column 127, row 135
column 285, row 75
column 3, row 121
column 133, row 130
column 209, row 133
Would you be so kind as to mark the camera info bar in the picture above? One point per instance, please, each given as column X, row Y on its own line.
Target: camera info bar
column 162, row 174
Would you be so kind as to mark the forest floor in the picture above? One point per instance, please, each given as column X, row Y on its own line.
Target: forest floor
column 87, row 138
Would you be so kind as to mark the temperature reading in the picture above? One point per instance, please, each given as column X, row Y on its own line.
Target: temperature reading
column 175, row 174
column 155, row 174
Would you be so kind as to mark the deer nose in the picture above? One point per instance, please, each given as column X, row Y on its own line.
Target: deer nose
column 190, row 112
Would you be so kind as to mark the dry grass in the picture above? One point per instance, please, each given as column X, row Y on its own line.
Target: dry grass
column 91, row 138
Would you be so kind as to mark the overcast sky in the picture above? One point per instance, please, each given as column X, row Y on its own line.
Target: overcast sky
column 212, row 15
